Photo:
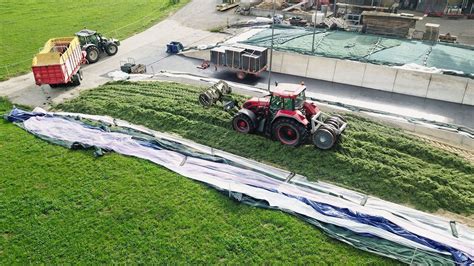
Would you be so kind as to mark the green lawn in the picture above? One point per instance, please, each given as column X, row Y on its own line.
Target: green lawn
column 60, row 206
column 373, row 158
column 26, row 25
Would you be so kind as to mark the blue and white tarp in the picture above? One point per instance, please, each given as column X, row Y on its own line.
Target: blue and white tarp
column 322, row 204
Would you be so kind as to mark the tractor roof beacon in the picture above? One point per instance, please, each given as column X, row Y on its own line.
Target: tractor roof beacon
column 287, row 116
column 94, row 43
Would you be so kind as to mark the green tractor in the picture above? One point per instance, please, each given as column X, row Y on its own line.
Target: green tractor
column 94, row 43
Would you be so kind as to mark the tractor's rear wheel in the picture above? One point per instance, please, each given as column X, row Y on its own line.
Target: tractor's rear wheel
column 289, row 132
column 325, row 137
column 92, row 55
column 111, row 49
column 242, row 123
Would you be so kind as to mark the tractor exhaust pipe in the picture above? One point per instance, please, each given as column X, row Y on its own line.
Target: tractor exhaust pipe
column 214, row 94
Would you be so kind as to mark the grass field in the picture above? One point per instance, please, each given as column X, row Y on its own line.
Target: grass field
column 371, row 158
column 60, row 206
column 27, row 25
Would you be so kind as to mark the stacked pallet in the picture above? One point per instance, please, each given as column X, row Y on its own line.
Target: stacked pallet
column 448, row 38
column 395, row 25
column 339, row 22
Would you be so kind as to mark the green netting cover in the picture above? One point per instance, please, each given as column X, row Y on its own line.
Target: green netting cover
column 367, row 48
column 405, row 53
column 452, row 57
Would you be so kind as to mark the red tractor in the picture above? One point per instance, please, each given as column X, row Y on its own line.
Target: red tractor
column 286, row 116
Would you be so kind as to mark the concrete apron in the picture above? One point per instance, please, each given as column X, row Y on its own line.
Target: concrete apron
column 444, row 135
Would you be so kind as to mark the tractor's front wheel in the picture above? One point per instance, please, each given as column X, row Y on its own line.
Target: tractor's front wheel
column 111, row 49
column 289, row 132
column 92, row 55
column 243, row 124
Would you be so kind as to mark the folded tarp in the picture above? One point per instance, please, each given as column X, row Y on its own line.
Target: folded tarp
column 365, row 222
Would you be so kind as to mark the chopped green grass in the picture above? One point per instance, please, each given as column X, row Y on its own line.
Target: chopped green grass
column 372, row 158
column 27, row 25
column 60, row 206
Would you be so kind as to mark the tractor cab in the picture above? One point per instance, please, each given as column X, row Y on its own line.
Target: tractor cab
column 88, row 36
column 94, row 43
column 287, row 96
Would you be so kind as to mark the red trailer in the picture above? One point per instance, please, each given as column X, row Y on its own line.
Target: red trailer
column 59, row 62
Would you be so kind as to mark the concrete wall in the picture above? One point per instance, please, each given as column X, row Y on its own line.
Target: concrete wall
column 469, row 93
column 294, row 64
column 349, row 72
column 321, row 68
column 447, row 88
column 426, row 85
column 379, row 77
column 411, row 83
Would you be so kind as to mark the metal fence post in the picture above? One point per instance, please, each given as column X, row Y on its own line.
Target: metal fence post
column 271, row 47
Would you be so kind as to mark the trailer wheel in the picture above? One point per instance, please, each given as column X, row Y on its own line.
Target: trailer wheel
column 241, row 75
column 289, row 132
column 243, row 124
column 111, row 49
column 92, row 55
column 76, row 80
column 325, row 137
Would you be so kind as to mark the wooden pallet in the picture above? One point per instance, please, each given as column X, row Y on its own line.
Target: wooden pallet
column 448, row 38
column 224, row 7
